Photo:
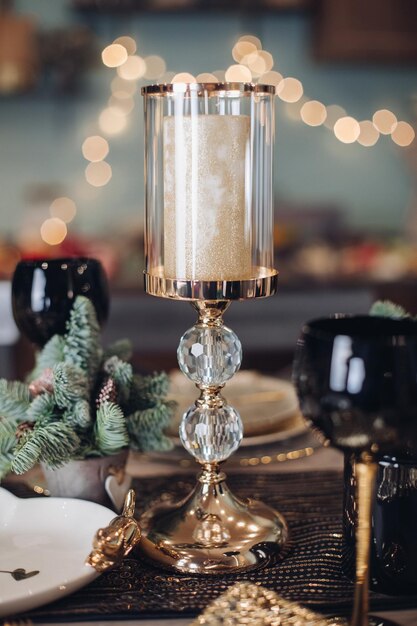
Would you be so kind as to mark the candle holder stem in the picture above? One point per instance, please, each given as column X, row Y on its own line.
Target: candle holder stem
column 212, row 531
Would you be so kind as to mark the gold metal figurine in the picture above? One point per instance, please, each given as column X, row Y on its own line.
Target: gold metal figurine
column 117, row 540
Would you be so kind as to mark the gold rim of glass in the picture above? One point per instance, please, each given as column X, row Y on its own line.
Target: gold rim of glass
column 164, row 89
column 263, row 284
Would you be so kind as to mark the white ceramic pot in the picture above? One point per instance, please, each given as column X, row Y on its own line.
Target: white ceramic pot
column 98, row 479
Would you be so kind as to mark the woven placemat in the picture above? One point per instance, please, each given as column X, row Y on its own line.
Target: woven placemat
column 310, row 573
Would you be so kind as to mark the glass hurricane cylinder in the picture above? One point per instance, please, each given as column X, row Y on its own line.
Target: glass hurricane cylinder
column 209, row 240
column 209, row 196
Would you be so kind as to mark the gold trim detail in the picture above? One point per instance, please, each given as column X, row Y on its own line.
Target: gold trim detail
column 263, row 284
column 212, row 88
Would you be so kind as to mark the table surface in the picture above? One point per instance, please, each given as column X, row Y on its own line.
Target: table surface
column 322, row 459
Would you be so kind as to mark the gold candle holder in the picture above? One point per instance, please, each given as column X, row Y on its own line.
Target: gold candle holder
column 209, row 240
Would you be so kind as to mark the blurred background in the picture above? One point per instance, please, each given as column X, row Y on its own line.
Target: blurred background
column 71, row 151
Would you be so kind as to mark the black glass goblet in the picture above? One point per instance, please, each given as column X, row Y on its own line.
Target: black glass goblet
column 43, row 293
column 356, row 379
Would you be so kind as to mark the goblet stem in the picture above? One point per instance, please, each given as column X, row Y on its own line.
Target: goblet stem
column 365, row 469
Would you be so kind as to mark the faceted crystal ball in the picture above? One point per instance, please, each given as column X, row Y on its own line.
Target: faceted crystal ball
column 211, row 435
column 209, row 356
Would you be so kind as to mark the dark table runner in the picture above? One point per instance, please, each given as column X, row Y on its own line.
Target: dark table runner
column 310, row 573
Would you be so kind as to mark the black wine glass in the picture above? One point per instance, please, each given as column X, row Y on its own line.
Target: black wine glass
column 44, row 290
column 356, row 379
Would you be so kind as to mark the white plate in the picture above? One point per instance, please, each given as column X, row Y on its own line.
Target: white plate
column 51, row 536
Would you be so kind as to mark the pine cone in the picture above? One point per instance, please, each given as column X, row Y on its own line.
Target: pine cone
column 107, row 392
column 43, row 384
column 23, row 428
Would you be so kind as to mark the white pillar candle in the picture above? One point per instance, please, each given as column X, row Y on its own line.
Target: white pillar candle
column 207, row 229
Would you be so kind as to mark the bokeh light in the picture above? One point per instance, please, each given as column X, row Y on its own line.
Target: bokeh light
column 290, row 89
column 155, row 66
column 183, row 77
column 384, row 121
column 403, row 134
column 313, row 113
column 251, row 39
column 368, row 135
column 259, row 62
column 127, row 42
column 98, row 174
column 347, row 129
column 270, row 78
column 64, row 209
column 133, row 69
column 242, row 49
column 95, row 148
column 53, row 231
column 112, row 121
column 114, row 55
column 238, row 74
column 206, row 77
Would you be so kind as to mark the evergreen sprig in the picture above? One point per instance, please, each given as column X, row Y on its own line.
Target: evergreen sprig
column 82, row 340
column 110, row 429
column 82, row 401
column 7, row 443
column 386, row 308
column 146, row 427
column 54, row 443
column 14, row 399
column 70, row 385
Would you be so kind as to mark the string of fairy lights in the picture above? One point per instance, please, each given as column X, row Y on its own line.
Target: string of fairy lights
column 252, row 64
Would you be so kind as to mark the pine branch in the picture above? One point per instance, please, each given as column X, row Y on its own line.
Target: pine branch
column 70, row 385
column 82, row 340
column 146, row 391
column 54, row 443
column 119, row 370
column 42, row 408
column 121, row 348
column 110, row 429
column 53, row 421
column 79, row 415
column 14, row 399
column 146, row 427
column 7, row 435
column 7, row 445
column 51, row 354
column 386, row 308
column 122, row 374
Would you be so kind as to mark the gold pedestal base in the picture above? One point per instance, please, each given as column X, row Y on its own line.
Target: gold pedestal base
column 212, row 532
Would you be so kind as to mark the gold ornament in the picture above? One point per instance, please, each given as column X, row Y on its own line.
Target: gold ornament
column 113, row 543
column 246, row 603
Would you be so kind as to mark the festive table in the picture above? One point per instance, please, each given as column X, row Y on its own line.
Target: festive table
column 325, row 461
